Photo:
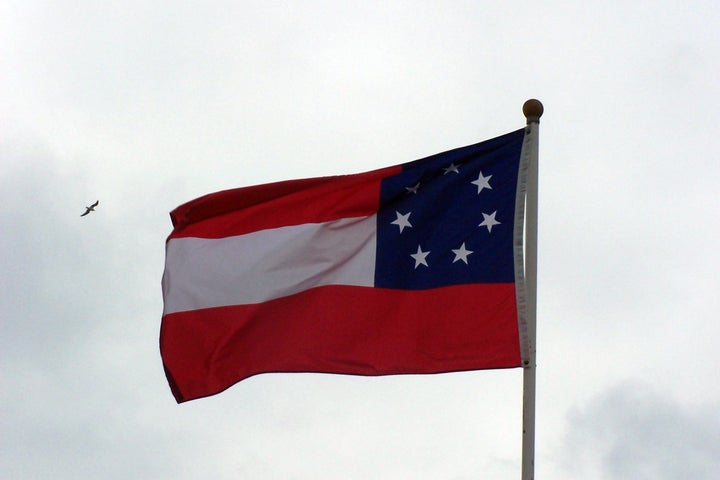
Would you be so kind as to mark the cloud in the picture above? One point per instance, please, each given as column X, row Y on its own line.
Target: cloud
column 633, row 431
column 76, row 335
column 145, row 107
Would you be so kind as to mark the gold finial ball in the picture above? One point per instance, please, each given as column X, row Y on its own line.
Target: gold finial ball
column 533, row 110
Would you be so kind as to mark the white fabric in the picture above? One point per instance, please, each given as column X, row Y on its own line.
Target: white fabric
column 273, row 263
column 528, row 154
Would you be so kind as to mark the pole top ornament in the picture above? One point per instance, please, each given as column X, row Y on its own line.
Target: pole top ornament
column 533, row 110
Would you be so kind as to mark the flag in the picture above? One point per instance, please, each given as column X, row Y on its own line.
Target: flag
column 406, row 269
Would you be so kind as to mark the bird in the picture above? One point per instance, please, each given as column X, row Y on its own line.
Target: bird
column 91, row 208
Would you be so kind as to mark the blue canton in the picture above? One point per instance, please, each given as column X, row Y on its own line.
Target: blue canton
column 448, row 219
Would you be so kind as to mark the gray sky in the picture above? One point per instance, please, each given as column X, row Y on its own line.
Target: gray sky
column 146, row 105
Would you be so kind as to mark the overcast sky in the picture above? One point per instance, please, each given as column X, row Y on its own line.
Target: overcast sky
column 146, row 105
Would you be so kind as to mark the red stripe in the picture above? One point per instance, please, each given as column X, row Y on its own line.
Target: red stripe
column 341, row 329
column 293, row 202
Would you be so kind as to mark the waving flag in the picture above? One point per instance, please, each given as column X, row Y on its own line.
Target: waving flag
column 406, row 269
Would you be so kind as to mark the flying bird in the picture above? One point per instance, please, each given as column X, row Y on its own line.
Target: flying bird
column 91, row 208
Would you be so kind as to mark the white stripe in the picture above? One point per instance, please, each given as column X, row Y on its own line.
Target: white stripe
column 273, row 263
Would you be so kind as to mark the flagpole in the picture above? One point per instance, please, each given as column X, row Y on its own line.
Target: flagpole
column 533, row 110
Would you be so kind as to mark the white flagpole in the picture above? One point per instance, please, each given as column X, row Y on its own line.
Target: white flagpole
column 533, row 110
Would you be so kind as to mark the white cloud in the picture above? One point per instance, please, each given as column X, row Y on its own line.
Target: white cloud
column 147, row 105
column 634, row 431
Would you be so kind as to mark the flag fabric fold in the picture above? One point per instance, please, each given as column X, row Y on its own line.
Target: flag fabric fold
column 405, row 269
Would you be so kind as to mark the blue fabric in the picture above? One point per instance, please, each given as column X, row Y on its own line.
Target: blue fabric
column 445, row 212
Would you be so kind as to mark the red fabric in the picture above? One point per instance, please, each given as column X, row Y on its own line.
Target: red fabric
column 342, row 329
column 280, row 204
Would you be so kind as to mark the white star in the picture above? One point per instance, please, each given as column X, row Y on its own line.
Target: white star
column 402, row 221
column 461, row 253
column 420, row 257
column 489, row 221
column 452, row 168
column 482, row 182
column 413, row 189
